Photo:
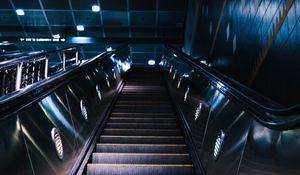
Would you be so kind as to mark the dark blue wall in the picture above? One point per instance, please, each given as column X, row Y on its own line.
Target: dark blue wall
column 254, row 42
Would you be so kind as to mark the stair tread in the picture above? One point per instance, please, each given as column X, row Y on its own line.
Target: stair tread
column 142, row 134
column 166, row 165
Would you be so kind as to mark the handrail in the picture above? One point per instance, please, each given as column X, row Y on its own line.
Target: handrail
column 273, row 117
column 16, row 66
column 9, row 102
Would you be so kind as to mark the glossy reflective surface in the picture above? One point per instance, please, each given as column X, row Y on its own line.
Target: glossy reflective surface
column 248, row 146
column 26, row 140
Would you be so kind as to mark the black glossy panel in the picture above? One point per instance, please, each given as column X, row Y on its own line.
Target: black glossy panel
column 12, row 148
column 38, row 121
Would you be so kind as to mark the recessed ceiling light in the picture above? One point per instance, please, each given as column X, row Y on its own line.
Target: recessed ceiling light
column 80, row 27
column 56, row 36
column 151, row 62
column 20, row 12
column 95, row 8
column 109, row 49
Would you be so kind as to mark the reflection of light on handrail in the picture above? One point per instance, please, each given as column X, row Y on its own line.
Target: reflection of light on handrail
column 220, row 85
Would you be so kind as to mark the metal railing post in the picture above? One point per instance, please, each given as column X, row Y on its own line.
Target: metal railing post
column 46, row 66
column 64, row 60
column 19, row 76
column 76, row 56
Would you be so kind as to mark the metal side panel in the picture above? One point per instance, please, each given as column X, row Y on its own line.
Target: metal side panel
column 37, row 122
column 271, row 152
column 13, row 149
column 207, row 112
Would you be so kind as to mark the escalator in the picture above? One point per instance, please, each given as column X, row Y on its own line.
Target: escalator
column 142, row 134
column 104, row 117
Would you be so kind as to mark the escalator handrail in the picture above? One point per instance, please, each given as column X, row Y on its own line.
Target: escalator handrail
column 24, row 97
column 273, row 117
column 28, row 58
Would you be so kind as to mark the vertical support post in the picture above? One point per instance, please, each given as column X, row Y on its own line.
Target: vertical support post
column 46, row 66
column 76, row 56
column 64, row 60
column 19, row 76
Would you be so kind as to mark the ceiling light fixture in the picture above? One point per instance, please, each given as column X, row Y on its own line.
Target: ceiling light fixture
column 80, row 27
column 151, row 62
column 109, row 49
column 20, row 12
column 56, row 36
column 95, row 8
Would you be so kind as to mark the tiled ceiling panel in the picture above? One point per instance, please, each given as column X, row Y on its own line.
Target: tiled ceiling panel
column 26, row 4
column 60, row 18
column 142, row 19
column 114, row 5
column 87, row 18
column 115, row 18
column 8, row 18
column 63, row 4
column 121, row 19
column 143, row 5
column 5, row 5
column 83, row 4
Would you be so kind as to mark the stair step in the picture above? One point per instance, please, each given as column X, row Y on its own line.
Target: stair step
column 142, row 148
column 142, row 132
column 138, row 169
column 142, row 139
column 141, row 158
column 142, row 109
column 142, row 119
column 142, row 114
column 142, row 125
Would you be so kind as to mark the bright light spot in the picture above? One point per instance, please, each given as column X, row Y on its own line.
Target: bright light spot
column 109, row 49
column 80, row 27
column 204, row 62
column 185, row 75
column 174, row 55
column 151, row 62
column 20, row 12
column 56, row 36
column 95, row 8
column 220, row 85
column 125, row 66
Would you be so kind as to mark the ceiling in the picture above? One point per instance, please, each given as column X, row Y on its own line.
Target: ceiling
column 126, row 20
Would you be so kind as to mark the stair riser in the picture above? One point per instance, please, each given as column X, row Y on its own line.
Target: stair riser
column 140, row 159
column 142, row 126
column 141, row 133
column 141, row 141
column 172, row 120
column 131, row 170
column 143, row 149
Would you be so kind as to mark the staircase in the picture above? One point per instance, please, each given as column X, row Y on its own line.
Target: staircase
column 142, row 135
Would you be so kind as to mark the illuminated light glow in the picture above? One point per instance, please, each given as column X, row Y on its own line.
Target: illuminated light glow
column 109, row 49
column 20, row 12
column 125, row 66
column 151, row 62
column 95, row 8
column 80, row 27
column 204, row 62
column 185, row 75
column 220, row 85
column 56, row 36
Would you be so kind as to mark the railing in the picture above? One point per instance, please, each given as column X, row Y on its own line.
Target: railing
column 18, row 73
column 268, row 115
